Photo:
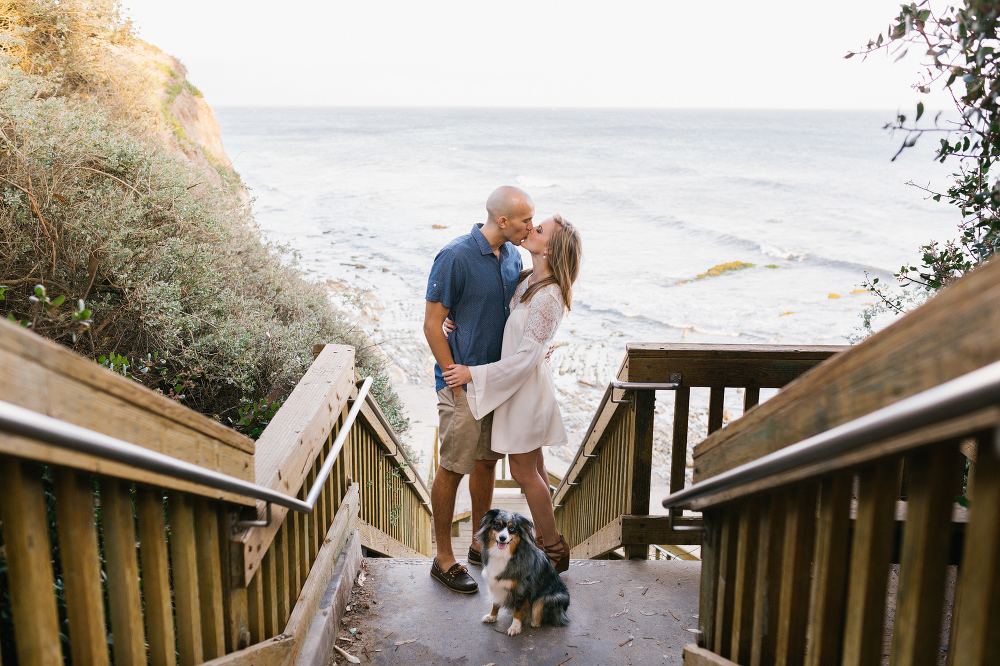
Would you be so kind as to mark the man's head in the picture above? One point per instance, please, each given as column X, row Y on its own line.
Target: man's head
column 511, row 209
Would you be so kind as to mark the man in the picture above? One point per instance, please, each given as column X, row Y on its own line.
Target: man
column 472, row 281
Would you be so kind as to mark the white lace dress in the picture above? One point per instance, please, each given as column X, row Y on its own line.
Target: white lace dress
column 518, row 388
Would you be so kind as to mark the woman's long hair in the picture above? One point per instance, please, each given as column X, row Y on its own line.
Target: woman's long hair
column 564, row 254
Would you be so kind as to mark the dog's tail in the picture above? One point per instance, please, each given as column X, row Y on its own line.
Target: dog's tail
column 554, row 612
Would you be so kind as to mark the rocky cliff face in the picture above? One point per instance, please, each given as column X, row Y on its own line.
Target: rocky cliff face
column 180, row 117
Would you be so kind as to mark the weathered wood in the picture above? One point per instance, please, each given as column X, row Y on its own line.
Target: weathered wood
column 796, row 567
column 827, row 594
column 184, row 558
column 29, row 563
column 642, row 531
column 932, row 490
column 281, row 569
column 744, row 592
column 274, row 652
column 379, row 542
column 155, row 577
column 696, row 656
column 949, row 336
column 767, row 598
column 716, row 400
column 81, row 566
column 871, row 554
column 292, row 441
column 679, row 442
column 270, row 580
column 319, row 576
column 124, row 599
column 209, row 557
column 235, row 601
column 642, row 463
column 970, row 424
column 751, row 398
column 726, row 588
column 976, row 632
column 708, row 591
column 255, row 608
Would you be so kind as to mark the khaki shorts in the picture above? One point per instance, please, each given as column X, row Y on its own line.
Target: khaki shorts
column 464, row 440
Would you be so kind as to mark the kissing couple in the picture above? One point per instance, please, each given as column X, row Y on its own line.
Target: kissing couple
column 495, row 391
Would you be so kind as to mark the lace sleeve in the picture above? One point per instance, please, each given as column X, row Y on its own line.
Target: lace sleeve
column 545, row 315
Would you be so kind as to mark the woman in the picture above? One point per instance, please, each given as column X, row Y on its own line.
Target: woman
column 518, row 388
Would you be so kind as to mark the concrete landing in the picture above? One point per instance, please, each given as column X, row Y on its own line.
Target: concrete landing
column 620, row 613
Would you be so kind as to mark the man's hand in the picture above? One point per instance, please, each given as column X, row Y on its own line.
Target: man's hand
column 457, row 376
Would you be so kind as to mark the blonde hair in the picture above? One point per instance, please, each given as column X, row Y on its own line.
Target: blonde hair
column 564, row 254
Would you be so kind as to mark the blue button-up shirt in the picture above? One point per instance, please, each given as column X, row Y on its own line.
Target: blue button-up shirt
column 468, row 279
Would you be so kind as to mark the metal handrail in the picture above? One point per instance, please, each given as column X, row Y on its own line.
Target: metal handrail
column 963, row 395
column 27, row 423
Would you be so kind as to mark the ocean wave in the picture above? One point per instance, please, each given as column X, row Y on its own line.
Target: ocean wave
column 778, row 253
column 530, row 182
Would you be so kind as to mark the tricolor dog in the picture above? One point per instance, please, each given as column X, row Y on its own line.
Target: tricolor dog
column 519, row 575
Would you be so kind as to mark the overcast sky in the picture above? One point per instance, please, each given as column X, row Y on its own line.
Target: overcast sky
column 626, row 53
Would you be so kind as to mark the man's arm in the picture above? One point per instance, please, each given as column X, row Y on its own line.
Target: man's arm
column 434, row 316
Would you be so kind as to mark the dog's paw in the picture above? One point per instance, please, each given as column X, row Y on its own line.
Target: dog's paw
column 489, row 618
column 515, row 628
column 536, row 624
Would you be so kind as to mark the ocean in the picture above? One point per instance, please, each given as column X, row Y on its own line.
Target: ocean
column 366, row 197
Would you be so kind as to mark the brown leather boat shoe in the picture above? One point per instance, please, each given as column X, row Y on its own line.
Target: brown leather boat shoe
column 456, row 579
column 475, row 556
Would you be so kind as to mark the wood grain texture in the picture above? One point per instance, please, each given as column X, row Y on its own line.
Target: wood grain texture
column 933, row 485
column 796, row 569
column 184, row 558
column 155, row 577
column 767, row 598
column 642, row 531
column 949, row 336
column 379, row 542
column 29, row 563
column 81, row 566
column 829, row 579
column 124, row 599
column 679, row 439
column 696, row 656
column 871, row 554
column 726, row 587
column 708, row 590
column 210, row 569
column 745, row 586
column 641, row 461
column 290, row 445
column 976, row 632
column 274, row 652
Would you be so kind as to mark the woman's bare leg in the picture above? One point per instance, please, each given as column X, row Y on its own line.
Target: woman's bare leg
column 542, row 472
column 524, row 468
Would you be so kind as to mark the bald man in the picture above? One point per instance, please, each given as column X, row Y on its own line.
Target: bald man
column 472, row 282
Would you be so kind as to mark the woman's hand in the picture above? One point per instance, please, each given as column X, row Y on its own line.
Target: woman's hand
column 456, row 375
column 448, row 326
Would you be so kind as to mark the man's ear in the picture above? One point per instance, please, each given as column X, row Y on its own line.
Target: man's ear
column 502, row 222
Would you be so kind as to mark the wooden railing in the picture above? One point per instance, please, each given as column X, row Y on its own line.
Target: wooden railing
column 602, row 504
column 796, row 558
column 106, row 560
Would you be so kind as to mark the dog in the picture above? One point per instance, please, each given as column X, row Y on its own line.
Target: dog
column 519, row 575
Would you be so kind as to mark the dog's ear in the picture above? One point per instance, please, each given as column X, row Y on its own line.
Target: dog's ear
column 488, row 518
column 527, row 526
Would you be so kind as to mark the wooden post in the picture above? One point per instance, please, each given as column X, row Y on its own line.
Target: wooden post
column 679, row 443
column 767, row 598
column 81, row 564
column 828, row 592
column 716, row 401
column 206, row 521
column 642, row 465
column 751, row 398
column 744, row 592
column 155, row 577
column 184, row 557
column 796, row 567
column 29, row 563
column 726, row 587
column 235, row 602
column 124, row 601
column 710, row 545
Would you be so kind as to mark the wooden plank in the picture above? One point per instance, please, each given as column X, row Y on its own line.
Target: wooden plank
column 949, row 336
column 255, row 608
column 641, row 463
column 184, row 557
column 976, row 632
column 295, row 577
column 656, row 530
column 745, row 586
column 796, row 568
column 81, row 566
column 751, row 398
column 124, row 598
column 235, row 600
column 281, row 571
column 379, row 542
column 209, row 557
column 319, row 577
column 726, row 588
column 270, row 580
column 294, row 438
column 871, row 555
column 716, row 400
column 29, row 563
column 708, row 590
column 275, row 652
column 155, row 577
column 970, row 424
column 50, row 365
column 769, row 569
column 679, row 441
column 932, row 489
column 696, row 656
column 827, row 594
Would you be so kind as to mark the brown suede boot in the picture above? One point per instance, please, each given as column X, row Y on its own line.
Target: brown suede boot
column 558, row 554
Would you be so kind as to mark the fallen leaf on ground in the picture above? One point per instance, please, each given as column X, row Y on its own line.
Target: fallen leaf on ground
column 645, row 613
column 588, row 582
column 347, row 655
column 674, row 614
column 412, row 640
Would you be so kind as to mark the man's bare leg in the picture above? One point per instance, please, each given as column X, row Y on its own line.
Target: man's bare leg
column 443, row 493
column 481, row 483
